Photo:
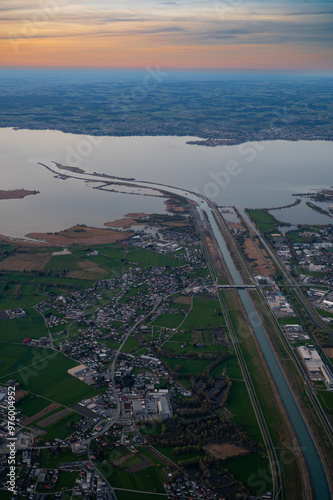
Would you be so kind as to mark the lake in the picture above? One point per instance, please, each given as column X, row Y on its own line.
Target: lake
column 254, row 175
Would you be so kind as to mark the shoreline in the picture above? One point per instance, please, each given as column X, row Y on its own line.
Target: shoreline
column 202, row 140
column 16, row 194
column 77, row 234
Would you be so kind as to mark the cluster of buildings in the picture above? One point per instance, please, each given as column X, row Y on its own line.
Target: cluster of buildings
column 316, row 368
column 90, row 481
column 313, row 256
column 48, row 478
column 147, row 406
column 41, row 342
column 102, row 405
column 278, row 303
column 39, row 483
column 14, row 313
column 282, row 249
column 189, row 488
column 322, row 299
column 294, row 332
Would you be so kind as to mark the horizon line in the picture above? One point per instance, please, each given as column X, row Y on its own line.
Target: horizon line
column 173, row 69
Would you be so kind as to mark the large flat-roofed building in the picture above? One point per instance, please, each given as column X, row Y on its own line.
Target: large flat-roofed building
column 164, row 407
column 152, row 406
column 312, row 361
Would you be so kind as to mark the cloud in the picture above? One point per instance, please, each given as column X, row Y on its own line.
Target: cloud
column 182, row 25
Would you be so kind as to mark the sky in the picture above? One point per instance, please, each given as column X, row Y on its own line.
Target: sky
column 199, row 34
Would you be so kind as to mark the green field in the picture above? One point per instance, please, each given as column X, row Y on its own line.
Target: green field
column 168, row 320
column 294, row 237
column 240, row 407
column 31, row 404
column 264, row 221
column 61, row 262
column 150, row 479
column 246, row 469
column 233, row 369
column 109, row 343
column 187, row 365
column 179, row 348
column 167, row 451
column 322, row 312
column 15, row 330
column 9, row 300
column 149, row 258
column 62, row 428
column 43, row 372
column 327, row 398
column 133, row 460
column 50, row 461
column 179, row 304
column 205, row 313
column 130, row 344
column 5, row 494
column 289, row 320
column 107, row 262
column 182, row 336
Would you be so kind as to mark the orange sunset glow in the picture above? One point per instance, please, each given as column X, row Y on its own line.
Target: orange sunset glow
column 187, row 34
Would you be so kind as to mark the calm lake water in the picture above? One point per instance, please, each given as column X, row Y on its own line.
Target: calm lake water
column 254, row 175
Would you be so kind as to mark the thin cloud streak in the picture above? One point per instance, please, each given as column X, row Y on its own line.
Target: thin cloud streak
column 179, row 29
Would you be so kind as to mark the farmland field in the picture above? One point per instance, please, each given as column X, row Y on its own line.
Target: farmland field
column 150, row 258
column 43, row 372
column 265, row 222
column 289, row 320
column 183, row 300
column 205, row 313
column 188, row 365
column 130, row 344
column 49, row 460
column 240, row 406
column 25, row 261
column 246, row 468
column 168, row 320
column 15, row 330
column 31, row 404
column 62, row 428
column 150, row 479
column 61, row 262
column 180, row 349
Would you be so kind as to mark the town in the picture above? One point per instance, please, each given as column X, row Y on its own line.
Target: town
column 144, row 349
